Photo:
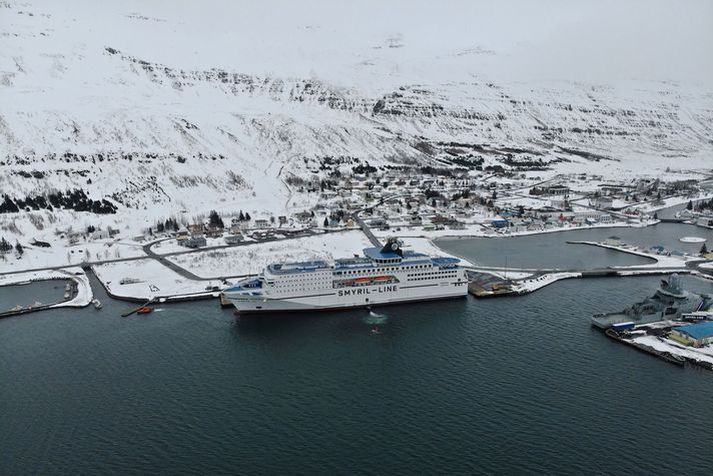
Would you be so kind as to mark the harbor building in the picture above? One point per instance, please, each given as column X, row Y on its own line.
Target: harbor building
column 696, row 335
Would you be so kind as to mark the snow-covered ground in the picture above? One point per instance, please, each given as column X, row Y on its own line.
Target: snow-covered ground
column 666, row 345
column 506, row 274
column 173, row 110
column 84, row 289
column 153, row 279
column 251, row 259
column 425, row 245
column 61, row 255
column 166, row 246
column 478, row 230
column 661, row 261
column 671, row 202
column 530, row 285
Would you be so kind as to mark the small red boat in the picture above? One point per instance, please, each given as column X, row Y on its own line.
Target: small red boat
column 144, row 310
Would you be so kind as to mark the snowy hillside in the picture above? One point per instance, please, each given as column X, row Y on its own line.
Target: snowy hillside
column 159, row 107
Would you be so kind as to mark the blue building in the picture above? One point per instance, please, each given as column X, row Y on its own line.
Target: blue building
column 696, row 335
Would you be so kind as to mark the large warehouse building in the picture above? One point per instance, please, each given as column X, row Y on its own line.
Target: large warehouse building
column 696, row 335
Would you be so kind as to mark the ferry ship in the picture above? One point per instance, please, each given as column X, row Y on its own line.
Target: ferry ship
column 382, row 276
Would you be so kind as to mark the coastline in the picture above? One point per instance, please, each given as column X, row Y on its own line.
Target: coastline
column 83, row 294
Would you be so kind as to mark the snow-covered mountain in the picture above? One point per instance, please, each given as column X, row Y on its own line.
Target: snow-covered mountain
column 160, row 107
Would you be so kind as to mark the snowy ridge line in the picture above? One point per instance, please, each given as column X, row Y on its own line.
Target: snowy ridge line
column 293, row 89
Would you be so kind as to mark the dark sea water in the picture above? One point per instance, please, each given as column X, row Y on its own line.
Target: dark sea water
column 46, row 292
column 507, row 386
column 552, row 250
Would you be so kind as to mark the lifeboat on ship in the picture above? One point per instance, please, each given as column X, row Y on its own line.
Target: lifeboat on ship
column 362, row 280
column 382, row 279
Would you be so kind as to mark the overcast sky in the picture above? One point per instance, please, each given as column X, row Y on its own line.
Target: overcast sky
column 588, row 40
column 573, row 39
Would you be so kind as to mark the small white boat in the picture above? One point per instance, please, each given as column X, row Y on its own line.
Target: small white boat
column 97, row 303
column 692, row 239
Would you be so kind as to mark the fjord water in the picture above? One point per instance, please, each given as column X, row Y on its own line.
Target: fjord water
column 551, row 250
column 47, row 292
column 492, row 386
column 509, row 385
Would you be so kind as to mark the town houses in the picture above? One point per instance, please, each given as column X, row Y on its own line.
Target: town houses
column 446, row 200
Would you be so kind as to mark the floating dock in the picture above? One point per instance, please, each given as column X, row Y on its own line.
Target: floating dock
column 133, row 311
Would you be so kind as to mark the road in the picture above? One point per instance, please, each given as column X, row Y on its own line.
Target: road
column 162, row 258
column 367, row 231
column 150, row 254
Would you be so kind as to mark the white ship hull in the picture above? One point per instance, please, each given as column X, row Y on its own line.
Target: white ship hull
column 385, row 276
column 350, row 297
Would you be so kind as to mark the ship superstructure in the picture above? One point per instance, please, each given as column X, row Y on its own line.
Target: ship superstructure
column 381, row 276
column 670, row 302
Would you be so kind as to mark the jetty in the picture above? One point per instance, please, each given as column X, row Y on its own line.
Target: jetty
column 26, row 310
column 135, row 310
column 491, row 281
column 78, row 294
column 495, row 286
column 666, row 356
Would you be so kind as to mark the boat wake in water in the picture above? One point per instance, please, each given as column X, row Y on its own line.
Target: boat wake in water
column 374, row 318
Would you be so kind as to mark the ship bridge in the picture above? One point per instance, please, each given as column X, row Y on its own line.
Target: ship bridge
column 352, row 263
column 382, row 257
column 379, row 256
column 445, row 262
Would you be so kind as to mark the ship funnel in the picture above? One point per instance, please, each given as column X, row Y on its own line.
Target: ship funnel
column 393, row 245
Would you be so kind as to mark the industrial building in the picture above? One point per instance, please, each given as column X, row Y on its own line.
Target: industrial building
column 696, row 335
